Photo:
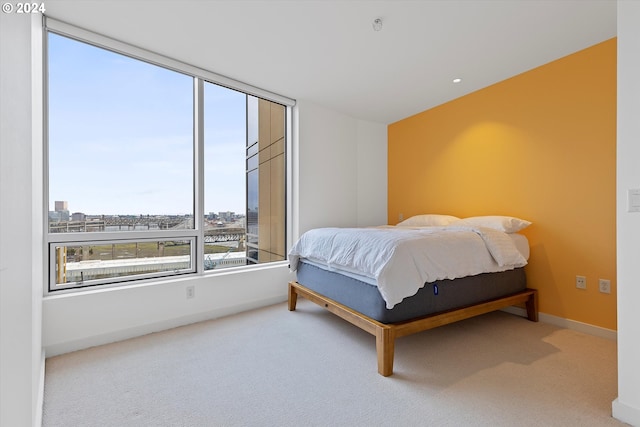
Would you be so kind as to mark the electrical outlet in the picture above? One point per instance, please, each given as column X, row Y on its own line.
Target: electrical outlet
column 581, row 282
column 605, row 286
column 400, row 216
column 191, row 292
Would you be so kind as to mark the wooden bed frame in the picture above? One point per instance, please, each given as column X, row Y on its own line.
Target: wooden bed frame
column 386, row 333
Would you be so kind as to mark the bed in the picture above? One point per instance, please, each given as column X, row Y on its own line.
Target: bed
column 428, row 271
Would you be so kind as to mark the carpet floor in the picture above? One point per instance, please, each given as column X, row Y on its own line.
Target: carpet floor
column 272, row 367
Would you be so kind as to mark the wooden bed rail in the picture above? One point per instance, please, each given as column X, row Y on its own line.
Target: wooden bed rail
column 386, row 333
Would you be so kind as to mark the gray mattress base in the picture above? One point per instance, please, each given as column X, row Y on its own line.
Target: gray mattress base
column 432, row 298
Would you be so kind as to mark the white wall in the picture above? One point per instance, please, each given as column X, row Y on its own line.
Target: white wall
column 372, row 173
column 343, row 169
column 328, row 180
column 21, row 219
column 627, row 406
column 80, row 320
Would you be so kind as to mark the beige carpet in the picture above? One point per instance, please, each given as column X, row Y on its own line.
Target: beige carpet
column 272, row 367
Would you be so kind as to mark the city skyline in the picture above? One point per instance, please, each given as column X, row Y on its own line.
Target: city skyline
column 93, row 215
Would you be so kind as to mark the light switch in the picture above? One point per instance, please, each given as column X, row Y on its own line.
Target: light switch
column 633, row 200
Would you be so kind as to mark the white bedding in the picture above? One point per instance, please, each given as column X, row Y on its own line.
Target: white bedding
column 399, row 261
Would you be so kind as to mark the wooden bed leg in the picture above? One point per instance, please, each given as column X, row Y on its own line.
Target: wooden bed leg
column 532, row 306
column 293, row 297
column 385, row 344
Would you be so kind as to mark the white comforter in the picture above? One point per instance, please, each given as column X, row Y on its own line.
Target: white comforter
column 401, row 260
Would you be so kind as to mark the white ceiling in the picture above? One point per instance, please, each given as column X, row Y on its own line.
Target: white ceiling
column 327, row 52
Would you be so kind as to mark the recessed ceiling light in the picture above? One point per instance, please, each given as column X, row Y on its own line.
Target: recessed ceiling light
column 457, row 80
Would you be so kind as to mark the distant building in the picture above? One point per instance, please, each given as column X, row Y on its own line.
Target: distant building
column 61, row 213
column 226, row 216
column 78, row 216
column 55, row 216
column 265, row 198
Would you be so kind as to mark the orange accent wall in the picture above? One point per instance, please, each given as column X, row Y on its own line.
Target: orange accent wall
column 540, row 146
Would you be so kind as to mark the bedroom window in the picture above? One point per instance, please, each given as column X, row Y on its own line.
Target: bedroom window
column 154, row 169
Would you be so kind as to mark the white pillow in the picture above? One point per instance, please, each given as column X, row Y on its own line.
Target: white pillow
column 428, row 220
column 508, row 224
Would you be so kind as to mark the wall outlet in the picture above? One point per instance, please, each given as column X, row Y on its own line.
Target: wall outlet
column 191, row 292
column 605, row 286
column 581, row 282
column 400, row 216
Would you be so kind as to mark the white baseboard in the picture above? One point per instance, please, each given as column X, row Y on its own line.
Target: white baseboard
column 40, row 403
column 568, row 324
column 626, row 414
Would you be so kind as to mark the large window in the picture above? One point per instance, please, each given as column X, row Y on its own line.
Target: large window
column 155, row 169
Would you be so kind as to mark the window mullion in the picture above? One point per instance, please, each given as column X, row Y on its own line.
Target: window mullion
column 198, row 164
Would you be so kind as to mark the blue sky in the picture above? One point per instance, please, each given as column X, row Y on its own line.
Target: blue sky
column 121, row 136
